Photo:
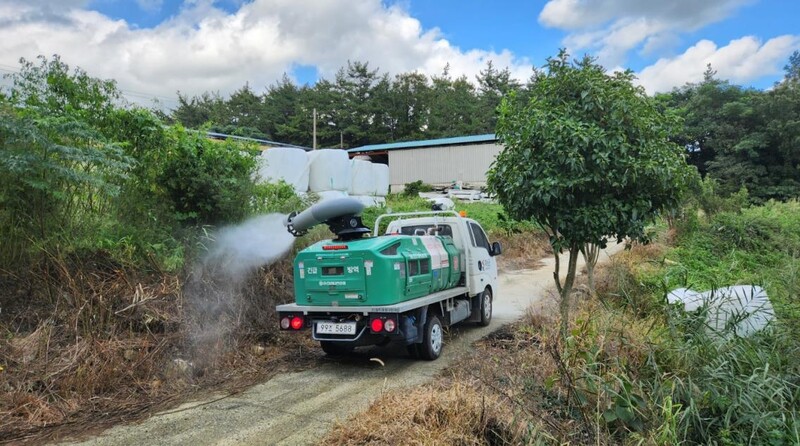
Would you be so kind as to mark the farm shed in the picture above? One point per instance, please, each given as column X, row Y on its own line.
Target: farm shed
column 438, row 162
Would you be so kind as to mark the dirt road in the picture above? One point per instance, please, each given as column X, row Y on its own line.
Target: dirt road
column 298, row 408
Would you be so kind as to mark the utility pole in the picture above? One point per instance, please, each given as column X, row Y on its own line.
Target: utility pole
column 341, row 140
column 315, row 130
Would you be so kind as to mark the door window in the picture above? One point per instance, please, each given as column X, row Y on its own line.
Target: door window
column 479, row 238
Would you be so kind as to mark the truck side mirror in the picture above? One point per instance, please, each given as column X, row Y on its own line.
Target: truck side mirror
column 496, row 249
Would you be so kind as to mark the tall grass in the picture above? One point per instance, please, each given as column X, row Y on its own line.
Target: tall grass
column 698, row 386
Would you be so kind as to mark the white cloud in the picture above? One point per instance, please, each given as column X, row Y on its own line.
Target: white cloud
column 204, row 48
column 150, row 5
column 612, row 28
column 741, row 61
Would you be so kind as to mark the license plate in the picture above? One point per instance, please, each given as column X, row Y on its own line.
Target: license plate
column 338, row 328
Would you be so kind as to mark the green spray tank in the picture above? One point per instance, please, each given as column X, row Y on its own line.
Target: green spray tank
column 354, row 270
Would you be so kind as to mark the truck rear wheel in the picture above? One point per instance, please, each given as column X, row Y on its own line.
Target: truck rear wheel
column 486, row 307
column 334, row 348
column 432, row 339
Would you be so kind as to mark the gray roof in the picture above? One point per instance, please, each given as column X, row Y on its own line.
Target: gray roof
column 489, row 137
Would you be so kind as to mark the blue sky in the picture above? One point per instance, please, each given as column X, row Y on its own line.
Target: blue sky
column 154, row 48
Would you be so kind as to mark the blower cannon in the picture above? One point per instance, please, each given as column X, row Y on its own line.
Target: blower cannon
column 342, row 215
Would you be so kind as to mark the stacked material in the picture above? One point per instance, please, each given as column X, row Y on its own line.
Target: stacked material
column 380, row 173
column 329, row 173
column 362, row 178
column 330, row 170
column 285, row 164
column 370, row 182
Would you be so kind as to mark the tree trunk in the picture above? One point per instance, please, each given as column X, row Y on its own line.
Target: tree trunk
column 590, row 252
column 566, row 290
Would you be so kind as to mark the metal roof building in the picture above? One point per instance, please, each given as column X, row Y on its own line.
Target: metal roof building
column 435, row 161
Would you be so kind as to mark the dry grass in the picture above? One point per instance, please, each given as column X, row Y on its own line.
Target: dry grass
column 108, row 346
column 455, row 413
column 516, row 375
column 523, row 250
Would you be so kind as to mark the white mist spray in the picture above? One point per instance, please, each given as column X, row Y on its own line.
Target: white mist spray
column 215, row 292
column 238, row 250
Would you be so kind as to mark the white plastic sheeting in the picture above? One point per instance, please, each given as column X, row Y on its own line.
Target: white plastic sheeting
column 330, row 170
column 362, row 178
column 287, row 164
column 442, row 203
column 380, row 173
column 745, row 309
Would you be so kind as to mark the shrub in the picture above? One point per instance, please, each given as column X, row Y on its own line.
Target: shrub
column 415, row 187
column 207, row 182
column 277, row 197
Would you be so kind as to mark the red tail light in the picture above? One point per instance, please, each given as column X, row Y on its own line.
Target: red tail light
column 333, row 247
column 376, row 325
column 297, row 323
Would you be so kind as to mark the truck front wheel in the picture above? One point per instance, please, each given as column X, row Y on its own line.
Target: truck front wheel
column 433, row 338
column 334, row 348
column 486, row 307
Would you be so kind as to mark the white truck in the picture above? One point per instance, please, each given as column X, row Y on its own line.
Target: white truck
column 425, row 272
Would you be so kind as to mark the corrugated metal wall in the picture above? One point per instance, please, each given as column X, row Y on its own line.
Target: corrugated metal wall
column 441, row 165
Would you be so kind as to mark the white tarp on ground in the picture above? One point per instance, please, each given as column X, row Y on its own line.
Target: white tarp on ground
column 745, row 308
column 329, row 170
column 284, row 163
column 380, row 174
column 362, row 178
column 442, row 203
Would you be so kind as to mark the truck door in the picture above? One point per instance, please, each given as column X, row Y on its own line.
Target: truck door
column 483, row 268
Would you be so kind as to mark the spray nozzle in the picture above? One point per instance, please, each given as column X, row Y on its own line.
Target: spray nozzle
column 341, row 215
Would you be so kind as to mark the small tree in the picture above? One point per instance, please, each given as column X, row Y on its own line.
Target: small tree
column 587, row 158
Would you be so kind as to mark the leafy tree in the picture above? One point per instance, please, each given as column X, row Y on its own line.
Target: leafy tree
column 409, row 107
column 207, row 182
column 356, row 87
column 58, row 168
column 246, row 110
column 50, row 89
column 793, row 67
column 742, row 138
column 493, row 85
column 453, row 107
column 281, row 105
column 197, row 111
column 587, row 158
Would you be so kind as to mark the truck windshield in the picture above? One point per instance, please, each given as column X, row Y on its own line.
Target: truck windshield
column 443, row 230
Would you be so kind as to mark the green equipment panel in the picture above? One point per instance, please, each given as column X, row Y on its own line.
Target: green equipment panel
column 375, row 271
